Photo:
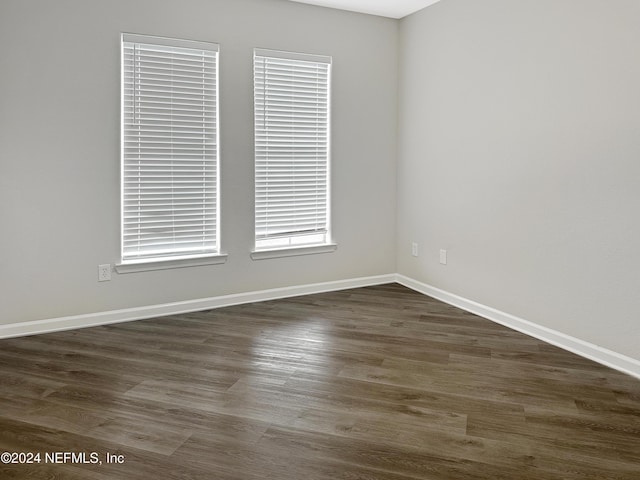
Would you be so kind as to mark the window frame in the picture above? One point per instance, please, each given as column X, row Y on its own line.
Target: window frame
column 260, row 158
column 211, row 254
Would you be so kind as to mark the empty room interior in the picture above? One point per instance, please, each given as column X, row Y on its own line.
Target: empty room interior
column 382, row 240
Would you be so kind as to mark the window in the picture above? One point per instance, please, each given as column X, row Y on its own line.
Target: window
column 292, row 110
column 169, row 149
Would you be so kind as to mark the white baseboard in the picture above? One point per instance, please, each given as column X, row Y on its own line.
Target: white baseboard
column 139, row 313
column 580, row 347
column 588, row 350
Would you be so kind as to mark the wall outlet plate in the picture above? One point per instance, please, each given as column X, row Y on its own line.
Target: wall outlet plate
column 104, row 272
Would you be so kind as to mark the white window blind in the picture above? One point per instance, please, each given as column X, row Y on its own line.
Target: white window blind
column 292, row 113
column 169, row 148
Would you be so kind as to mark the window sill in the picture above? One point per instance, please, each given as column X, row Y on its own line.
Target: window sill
column 293, row 251
column 147, row 266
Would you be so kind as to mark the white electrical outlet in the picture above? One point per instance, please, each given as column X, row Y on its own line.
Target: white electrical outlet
column 104, row 273
column 443, row 257
column 414, row 249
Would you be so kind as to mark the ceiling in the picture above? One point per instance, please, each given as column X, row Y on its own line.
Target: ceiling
column 384, row 8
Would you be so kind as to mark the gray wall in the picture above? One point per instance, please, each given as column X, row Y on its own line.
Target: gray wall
column 519, row 141
column 59, row 148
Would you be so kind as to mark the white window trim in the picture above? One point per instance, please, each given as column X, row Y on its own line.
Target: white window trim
column 293, row 251
column 178, row 261
column 169, row 263
column 259, row 253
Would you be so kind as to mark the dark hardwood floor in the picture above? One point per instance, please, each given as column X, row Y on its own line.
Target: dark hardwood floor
column 370, row 383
